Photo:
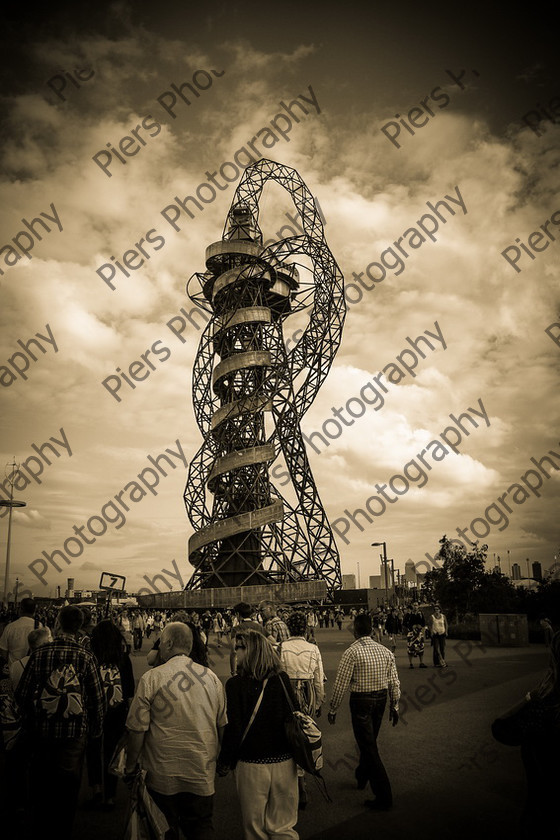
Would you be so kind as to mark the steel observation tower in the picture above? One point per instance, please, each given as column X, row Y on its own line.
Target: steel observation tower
column 250, row 393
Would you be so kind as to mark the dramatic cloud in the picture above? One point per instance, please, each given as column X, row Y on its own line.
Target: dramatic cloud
column 433, row 217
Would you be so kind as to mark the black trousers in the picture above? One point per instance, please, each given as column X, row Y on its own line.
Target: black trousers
column 438, row 642
column 190, row 813
column 100, row 751
column 367, row 713
column 56, row 771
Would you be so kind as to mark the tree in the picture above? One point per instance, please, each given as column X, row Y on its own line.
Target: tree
column 460, row 583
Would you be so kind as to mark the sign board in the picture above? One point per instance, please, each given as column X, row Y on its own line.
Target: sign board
column 111, row 581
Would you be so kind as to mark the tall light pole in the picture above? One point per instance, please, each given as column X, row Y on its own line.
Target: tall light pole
column 384, row 544
column 10, row 503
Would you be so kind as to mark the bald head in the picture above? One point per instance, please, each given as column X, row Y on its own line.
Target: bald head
column 176, row 638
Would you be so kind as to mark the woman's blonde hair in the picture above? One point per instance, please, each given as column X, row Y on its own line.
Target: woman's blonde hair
column 260, row 660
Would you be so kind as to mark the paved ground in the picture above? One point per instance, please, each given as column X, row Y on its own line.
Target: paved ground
column 449, row 777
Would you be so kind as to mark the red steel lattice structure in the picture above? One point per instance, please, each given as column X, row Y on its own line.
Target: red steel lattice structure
column 250, row 393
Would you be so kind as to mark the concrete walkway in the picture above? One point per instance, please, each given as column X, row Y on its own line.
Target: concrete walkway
column 450, row 778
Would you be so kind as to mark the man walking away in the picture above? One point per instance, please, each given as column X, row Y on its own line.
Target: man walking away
column 13, row 644
column 62, row 703
column 175, row 723
column 370, row 671
column 274, row 627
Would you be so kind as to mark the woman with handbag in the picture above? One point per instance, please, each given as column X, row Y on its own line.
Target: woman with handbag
column 255, row 741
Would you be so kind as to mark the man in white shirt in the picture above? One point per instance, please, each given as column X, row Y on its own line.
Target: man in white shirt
column 175, row 724
column 13, row 644
column 38, row 637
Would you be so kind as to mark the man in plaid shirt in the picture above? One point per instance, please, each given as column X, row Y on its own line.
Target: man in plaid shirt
column 370, row 671
column 274, row 627
column 62, row 702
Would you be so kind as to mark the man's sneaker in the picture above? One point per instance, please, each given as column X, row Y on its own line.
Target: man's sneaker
column 422, row 665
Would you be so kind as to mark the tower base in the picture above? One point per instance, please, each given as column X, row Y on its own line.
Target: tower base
column 228, row 596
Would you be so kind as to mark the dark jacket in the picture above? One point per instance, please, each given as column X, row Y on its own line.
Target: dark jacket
column 266, row 737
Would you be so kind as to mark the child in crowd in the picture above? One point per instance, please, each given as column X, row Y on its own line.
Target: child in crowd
column 415, row 642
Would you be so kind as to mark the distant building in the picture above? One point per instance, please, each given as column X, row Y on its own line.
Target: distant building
column 348, row 581
column 516, row 571
column 375, row 582
column 537, row 570
column 410, row 572
column 382, row 576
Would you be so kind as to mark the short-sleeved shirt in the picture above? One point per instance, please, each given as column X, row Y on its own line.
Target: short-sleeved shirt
column 179, row 705
column 14, row 638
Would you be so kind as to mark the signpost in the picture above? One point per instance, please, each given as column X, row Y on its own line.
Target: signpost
column 113, row 583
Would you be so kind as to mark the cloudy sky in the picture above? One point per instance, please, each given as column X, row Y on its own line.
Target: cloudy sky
column 81, row 80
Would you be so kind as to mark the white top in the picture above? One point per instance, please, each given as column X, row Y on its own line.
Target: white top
column 14, row 638
column 438, row 624
column 302, row 661
column 179, row 705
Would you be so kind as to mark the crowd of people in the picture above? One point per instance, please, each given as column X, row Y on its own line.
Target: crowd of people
column 68, row 700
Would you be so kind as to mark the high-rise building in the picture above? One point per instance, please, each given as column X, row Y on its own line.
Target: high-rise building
column 375, row 582
column 410, row 571
column 537, row 570
column 348, row 581
column 516, row 571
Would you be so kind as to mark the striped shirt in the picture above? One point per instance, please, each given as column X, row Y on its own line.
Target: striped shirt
column 366, row 666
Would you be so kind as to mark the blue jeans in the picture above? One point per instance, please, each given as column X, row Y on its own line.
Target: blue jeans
column 367, row 713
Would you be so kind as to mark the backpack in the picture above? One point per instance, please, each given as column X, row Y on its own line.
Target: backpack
column 112, row 685
column 62, row 695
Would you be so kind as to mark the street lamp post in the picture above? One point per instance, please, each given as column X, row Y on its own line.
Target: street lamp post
column 385, row 570
column 10, row 503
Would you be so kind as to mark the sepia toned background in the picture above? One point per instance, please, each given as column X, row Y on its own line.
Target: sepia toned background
column 479, row 73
